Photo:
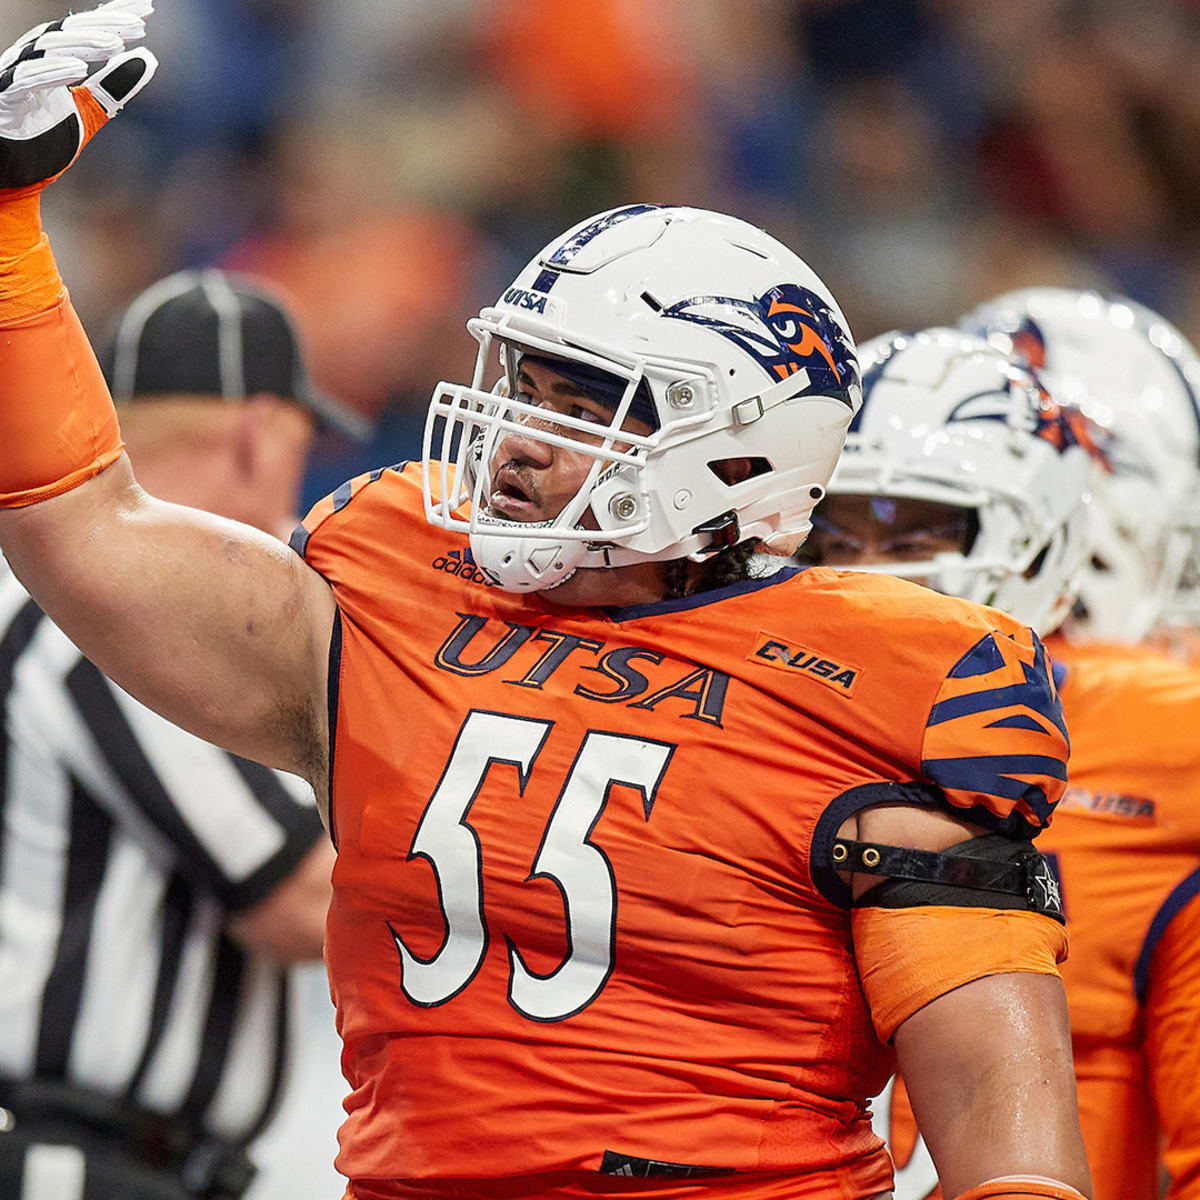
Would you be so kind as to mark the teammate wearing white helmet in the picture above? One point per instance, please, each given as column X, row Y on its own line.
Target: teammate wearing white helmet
column 963, row 474
column 1125, row 841
column 1134, row 374
column 607, row 804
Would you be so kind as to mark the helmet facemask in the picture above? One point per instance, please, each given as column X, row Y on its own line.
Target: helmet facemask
column 717, row 337
column 647, row 497
column 953, row 424
column 466, row 427
column 1008, row 555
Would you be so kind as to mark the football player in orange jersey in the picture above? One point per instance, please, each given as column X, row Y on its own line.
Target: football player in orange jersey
column 1128, row 846
column 608, row 778
column 1126, row 839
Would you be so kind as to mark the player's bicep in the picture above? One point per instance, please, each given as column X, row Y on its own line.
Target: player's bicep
column 220, row 628
column 932, row 911
column 988, row 1068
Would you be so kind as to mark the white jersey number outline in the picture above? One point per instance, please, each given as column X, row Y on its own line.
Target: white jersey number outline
column 567, row 856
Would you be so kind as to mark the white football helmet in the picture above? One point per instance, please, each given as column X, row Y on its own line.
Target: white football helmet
column 950, row 420
column 718, row 336
column 1137, row 377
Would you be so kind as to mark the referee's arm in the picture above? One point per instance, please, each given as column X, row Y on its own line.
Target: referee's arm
column 289, row 925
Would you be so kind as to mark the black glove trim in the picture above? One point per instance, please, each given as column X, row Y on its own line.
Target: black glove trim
column 121, row 82
column 34, row 160
column 28, row 52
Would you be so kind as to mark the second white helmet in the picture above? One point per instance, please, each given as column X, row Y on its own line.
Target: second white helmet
column 950, row 420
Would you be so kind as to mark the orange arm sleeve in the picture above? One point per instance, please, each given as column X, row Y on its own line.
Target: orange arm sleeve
column 58, row 426
column 1172, row 1016
column 908, row 957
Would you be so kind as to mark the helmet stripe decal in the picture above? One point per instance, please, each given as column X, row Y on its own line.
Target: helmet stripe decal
column 577, row 241
column 897, row 343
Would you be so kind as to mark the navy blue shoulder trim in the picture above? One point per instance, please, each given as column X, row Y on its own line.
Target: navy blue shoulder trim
column 1184, row 892
column 333, row 692
column 684, row 603
column 334, row 503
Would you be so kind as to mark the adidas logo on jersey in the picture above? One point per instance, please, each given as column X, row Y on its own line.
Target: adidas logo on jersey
column 783, row 655
column 460, row 562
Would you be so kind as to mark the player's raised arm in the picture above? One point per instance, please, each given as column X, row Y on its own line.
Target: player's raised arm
column 217, row 626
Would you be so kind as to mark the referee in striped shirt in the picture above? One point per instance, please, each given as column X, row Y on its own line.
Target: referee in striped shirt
column 153, row 887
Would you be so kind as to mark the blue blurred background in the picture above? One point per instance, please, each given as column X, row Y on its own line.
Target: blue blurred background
column 392, row 163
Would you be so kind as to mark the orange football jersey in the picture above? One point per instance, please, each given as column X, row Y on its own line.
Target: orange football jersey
column 1126, row 845
column 577, row 929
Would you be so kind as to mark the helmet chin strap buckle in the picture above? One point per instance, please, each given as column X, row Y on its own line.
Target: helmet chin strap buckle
column 723, row 531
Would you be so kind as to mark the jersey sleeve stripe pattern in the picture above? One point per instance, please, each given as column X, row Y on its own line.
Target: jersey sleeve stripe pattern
column 332, row 504
column 1035, row 691
column 995, row 740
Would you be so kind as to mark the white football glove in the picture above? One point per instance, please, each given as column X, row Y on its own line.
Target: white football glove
column 42, row 128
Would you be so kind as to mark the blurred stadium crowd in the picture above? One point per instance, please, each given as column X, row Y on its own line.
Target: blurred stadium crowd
column 393, row 162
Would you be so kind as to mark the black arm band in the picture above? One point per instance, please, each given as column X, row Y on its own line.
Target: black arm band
column 991, row 871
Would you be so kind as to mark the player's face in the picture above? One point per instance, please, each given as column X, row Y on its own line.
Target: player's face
column 859, row 531
column 533, row 480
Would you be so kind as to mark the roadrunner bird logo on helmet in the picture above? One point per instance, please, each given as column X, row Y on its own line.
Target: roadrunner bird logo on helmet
column 707, row 339
column 789, row 329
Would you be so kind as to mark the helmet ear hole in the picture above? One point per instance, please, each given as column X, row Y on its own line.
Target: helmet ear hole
column 731, row 471
column 1035, row 568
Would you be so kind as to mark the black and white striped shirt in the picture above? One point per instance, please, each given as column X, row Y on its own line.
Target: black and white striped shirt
column 125, row 845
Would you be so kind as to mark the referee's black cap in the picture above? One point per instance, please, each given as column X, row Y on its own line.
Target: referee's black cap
column 212, row 333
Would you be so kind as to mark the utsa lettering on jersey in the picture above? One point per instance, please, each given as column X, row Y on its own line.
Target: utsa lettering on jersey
column 621, row 901
column 561, row 906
